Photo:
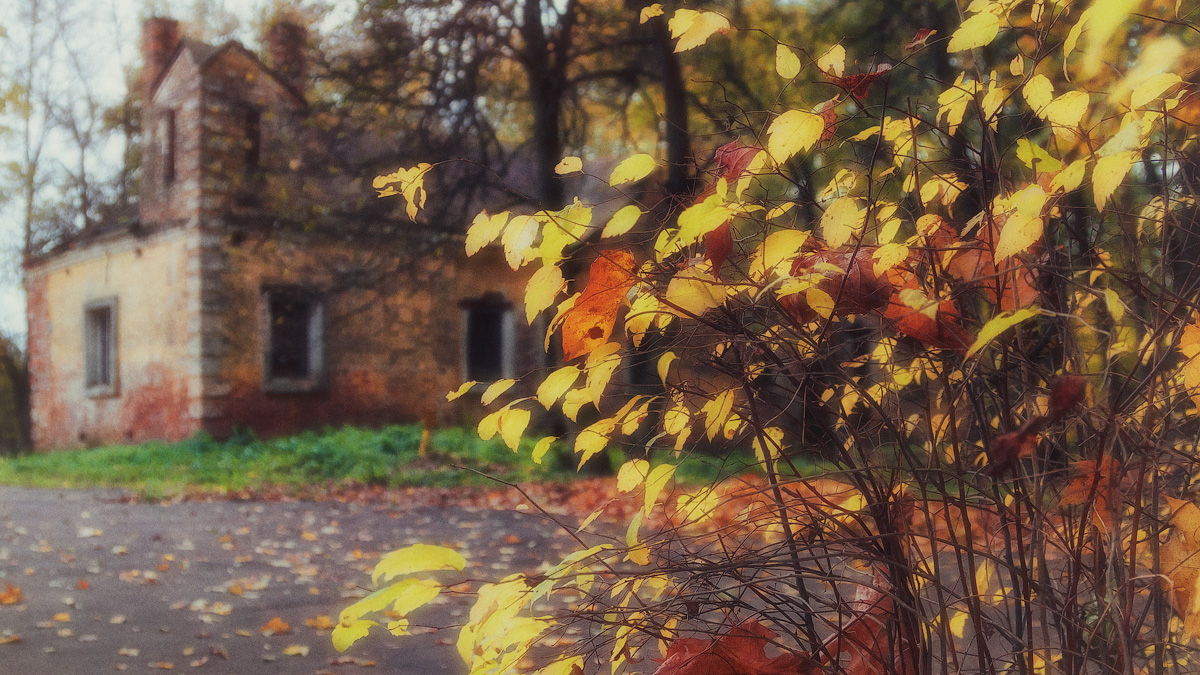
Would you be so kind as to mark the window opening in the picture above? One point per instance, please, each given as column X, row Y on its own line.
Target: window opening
column 253, row 131
column 167, row 136
column 99, row 343
column 294, row 353
column 487, row 338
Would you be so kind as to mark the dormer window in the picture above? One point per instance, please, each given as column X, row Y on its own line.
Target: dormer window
column 168, row 138
column 252, row 127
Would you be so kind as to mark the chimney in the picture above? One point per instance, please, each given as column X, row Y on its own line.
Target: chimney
column 160, row 38
column 287, row 44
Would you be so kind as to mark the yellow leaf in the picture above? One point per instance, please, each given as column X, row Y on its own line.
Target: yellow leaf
column 632, row 474
column 888, row 256
column 716, row 411
column 569, row 165
column 563, row 228
column 573, row 402
column 701, row 218
column 957, row 623
column 1180, row 560
column 787, row 64
column 622, row 221
column 780, row 210
column 1115, row 307
column 345, row 635
column 694, row 291
column 417, row 558
column 571, row 664
column 518, row 237
column 639, row 554
column 512, row 424
column 664, row 365
column 489, row 426
column 1066, row 110
column 792, row 132
column 412, row 186
column 655, row 482
column 1104, row 19
column 842, row 221
column 484, row 230
column 819, row 301
column 916, row 299
column 776, row 253
column 556, row 384
column 295, row 650
column 1071, row 177
column 769, row 445
column 496, row 389
column 463, row 389
column 1038, row 92
column 650, row 12
column 631, row 169
column 976, row 31
column 833, row 62
column 698, row 506
column 1016, row 67
column 1034, row 157
column 542, row 447
column 1152, row 89
column 1108, row 174
column 1023, row 228
column 600, row 367
column 593, row 439
column 694, row 28
column 643, row 311
column 998, row 324
column 543, row 287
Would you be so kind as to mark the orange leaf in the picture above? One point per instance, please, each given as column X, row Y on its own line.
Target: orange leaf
column 11, row 595
column 276, row 626
column 590, row 322
column 869, row 640
column 741, row 651
column 322, row 622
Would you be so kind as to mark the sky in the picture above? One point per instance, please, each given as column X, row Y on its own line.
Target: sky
column 95, row 49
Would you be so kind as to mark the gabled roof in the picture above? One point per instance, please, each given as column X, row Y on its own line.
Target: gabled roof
column 204, row 54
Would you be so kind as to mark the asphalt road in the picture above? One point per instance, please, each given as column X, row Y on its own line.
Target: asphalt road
column 148, row 588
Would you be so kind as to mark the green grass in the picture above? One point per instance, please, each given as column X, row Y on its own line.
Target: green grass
column 386, row 456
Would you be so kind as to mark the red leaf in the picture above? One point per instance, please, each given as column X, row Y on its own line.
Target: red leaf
column 919, row 39
column 717, row 245
column 1066, row 393
column 1007, row 449
column 859, row 85
column 589, row 323
column 873, row 642
column 741, row 651
column 829, row 115
column 733, row 159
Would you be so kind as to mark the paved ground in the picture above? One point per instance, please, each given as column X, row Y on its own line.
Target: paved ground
column 144, row 588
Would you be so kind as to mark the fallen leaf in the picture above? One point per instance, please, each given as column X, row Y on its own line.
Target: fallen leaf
column 163, row 665
column 322, row 622
column 295, row 650
column 11, row 595
column 275, row 626
column 741, row 651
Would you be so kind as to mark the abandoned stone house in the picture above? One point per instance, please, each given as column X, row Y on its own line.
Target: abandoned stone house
column 186, row 319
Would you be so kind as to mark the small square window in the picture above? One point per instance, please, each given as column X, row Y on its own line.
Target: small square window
column 487, row 340
column 100, row 347
column 294, row 358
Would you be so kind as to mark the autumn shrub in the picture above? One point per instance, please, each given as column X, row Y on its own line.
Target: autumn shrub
column 975, row 302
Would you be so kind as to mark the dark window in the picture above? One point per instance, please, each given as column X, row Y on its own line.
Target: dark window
column 295, row 351
column 168, row 138
column 100, row 347
column 487, row 340
column 253, row 141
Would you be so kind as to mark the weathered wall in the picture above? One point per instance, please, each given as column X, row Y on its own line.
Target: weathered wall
column 150, row 279
column 393, row 352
